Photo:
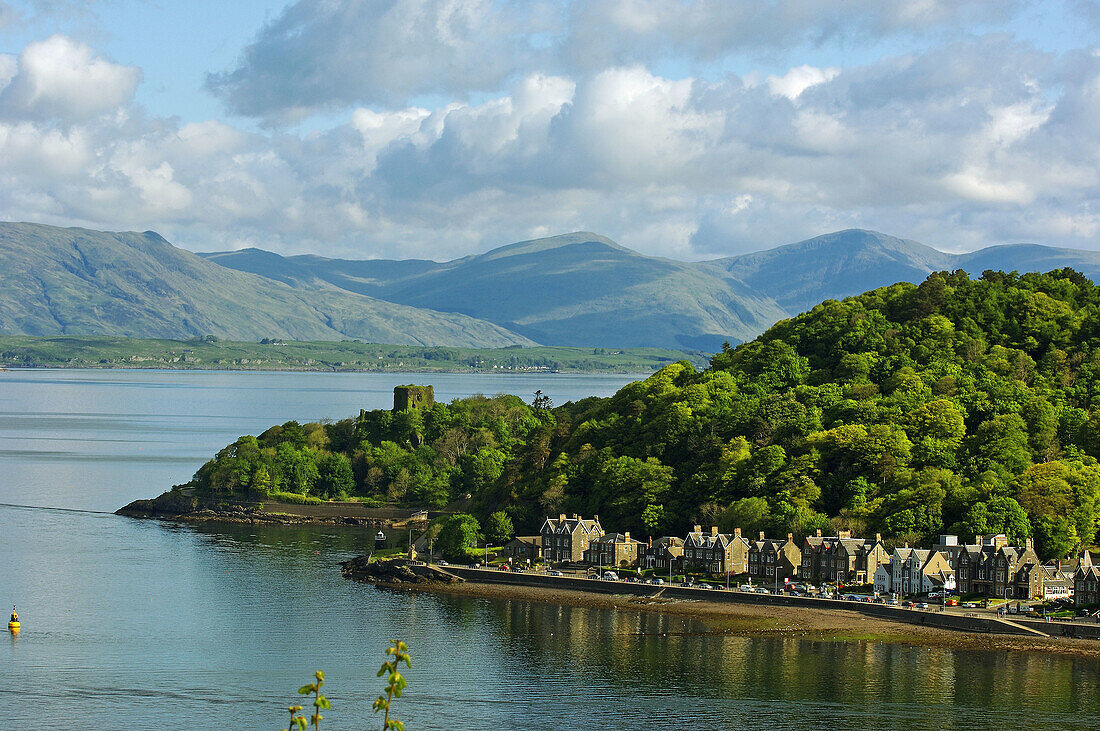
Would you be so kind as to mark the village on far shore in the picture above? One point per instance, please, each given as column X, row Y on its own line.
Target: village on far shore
column 986, row 572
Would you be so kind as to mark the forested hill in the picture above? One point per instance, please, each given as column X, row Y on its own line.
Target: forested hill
column 958, row 405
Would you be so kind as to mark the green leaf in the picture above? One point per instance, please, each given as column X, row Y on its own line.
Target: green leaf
column 307, row 689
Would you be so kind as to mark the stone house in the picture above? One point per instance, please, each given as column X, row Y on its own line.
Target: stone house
column 1086, row 582
column 523, row 548
column 774, row 561
column 613, row 550
column 919, row 571
column 714, row 552
column 566, row 539
column 841, row 558
column 991, row 566
column 661, row 554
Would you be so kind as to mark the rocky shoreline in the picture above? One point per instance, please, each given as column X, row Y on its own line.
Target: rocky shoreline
column 179, row 504
column 396, row 572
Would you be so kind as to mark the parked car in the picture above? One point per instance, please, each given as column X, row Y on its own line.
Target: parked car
column 746, row 587
column 762, row 590
column 554, row 573
column 921, row 605
column 610, row 576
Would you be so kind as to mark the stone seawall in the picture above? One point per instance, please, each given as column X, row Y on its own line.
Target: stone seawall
column 926, row 618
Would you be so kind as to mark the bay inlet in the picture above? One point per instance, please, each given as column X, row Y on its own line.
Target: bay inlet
column 146, row 624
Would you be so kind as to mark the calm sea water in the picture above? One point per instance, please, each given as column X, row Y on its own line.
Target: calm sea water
column 137, row 624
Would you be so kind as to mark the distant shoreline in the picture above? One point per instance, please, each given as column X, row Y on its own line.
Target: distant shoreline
column 211, row 354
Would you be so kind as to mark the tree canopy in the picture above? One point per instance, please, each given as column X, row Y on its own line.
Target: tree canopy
column 970, row 406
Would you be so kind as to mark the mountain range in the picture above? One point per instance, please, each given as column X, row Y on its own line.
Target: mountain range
column 575, row 289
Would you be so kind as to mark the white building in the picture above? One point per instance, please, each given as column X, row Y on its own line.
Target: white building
column 883, row 578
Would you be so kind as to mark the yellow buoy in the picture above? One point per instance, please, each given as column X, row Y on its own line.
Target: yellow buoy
column 13, row 626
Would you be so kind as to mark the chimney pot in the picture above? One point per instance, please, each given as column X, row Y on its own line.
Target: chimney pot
column 626, row 535
column 878, row 538
column 790, row 536
column 737, row 531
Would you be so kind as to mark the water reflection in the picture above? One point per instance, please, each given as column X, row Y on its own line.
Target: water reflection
column 654, row 666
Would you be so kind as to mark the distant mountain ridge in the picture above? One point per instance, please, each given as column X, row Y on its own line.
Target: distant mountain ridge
column 56, row 281
column 584, row 289
column 578, row 289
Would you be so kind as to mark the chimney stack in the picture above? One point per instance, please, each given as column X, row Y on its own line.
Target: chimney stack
column 761, row 535
column 790, row 537
column 844, row 534
column 978, row 539
column 697, row 529
column 878, row 538
column 1028, row 544
column 737, row 531
column 626, row 536
column 714, row 530
column 595, row 519
column 561, row 516
column 818, row 532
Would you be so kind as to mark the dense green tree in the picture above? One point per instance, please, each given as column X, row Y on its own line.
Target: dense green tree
column 969, row 405
column 459, row 536
column 334, row 476
column 498, row 528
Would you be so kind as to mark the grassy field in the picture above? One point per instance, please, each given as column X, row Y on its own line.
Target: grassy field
column 117, row 352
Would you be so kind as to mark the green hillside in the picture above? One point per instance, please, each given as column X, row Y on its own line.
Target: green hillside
column 955, row 405
column 57, row 281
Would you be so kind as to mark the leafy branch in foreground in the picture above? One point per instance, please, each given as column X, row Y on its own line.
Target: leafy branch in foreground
column 395, row 683
column 320, row 702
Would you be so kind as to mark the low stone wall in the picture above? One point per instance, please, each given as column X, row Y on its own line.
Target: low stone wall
column 927, row 618
column 1061, row 628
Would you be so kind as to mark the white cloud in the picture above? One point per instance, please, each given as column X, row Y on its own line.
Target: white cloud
column 333, row 54
column 60, row 78
column 798, row 79
column 336, row 53
column 967, row 143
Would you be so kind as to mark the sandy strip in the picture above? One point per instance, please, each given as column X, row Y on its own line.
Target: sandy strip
column 773, row 621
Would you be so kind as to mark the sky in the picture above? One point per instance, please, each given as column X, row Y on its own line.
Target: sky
column 691, row 129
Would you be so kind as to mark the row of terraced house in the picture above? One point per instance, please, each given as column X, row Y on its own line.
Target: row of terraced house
column 575, row 539
column 987, row 567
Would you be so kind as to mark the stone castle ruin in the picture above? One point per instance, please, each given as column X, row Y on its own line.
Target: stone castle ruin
column 409, row 398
